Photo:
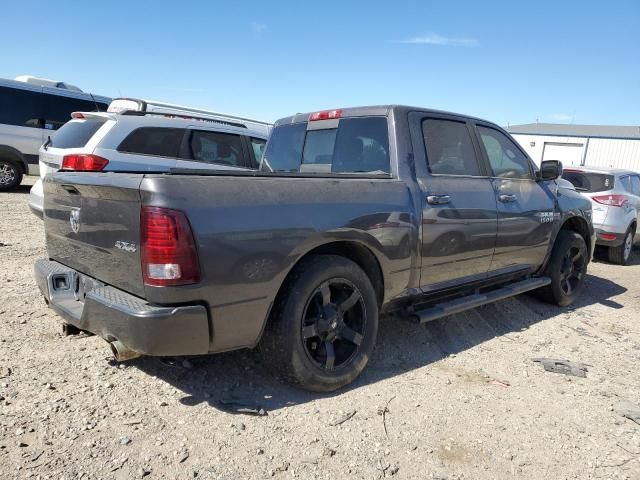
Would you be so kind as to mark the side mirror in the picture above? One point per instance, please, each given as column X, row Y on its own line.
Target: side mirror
column 550, row 170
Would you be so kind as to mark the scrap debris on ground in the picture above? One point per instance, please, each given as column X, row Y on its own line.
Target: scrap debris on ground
column 564, row 367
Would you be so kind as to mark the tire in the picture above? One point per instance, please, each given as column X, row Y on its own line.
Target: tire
column 621, row 254
column 312, row 312
column 567, row 268
column 10, row 175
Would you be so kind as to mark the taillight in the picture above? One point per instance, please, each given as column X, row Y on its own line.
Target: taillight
column 168, row 249
column 325, row 115
column 611, row 200
column 84, row 163
column 607, row 236
column 78, row 115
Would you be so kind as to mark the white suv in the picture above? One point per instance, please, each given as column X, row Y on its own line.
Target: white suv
column 615, row 195
column 143, row 141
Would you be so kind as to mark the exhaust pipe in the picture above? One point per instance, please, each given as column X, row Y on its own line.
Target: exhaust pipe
column 121, row 352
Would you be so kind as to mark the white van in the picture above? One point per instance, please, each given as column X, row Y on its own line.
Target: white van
column 31, row 110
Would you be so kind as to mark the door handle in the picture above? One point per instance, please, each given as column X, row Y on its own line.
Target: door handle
column 507, row 198
column 438, row 199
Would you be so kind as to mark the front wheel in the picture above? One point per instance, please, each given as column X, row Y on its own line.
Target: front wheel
column 324, row 324
column 621, row 254
column 567, row 268
column 10, row 175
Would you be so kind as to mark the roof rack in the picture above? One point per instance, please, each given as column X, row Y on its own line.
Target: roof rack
column 136, row 113
column 151, row 107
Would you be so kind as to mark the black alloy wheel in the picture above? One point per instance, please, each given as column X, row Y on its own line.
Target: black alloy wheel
column 334, row 322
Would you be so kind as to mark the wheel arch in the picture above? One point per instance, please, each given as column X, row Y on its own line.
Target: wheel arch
column 13, row 155
column 355, row 251
column 580, row 226
column 358, row 253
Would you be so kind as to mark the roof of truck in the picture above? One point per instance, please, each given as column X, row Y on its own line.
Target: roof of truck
column 375, row 110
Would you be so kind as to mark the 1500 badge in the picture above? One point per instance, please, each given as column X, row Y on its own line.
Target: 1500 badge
column 546, row 217
column 126, row 246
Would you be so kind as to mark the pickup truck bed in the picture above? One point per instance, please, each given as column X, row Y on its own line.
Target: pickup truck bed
column 302, row 262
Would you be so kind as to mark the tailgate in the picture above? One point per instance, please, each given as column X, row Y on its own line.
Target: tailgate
column 92, row 225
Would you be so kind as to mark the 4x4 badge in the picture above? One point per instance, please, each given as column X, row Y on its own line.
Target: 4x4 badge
column 74, row 219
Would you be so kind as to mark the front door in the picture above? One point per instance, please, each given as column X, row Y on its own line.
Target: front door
column 459, row 206
column 526, row 207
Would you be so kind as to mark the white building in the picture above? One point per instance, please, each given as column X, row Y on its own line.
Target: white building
column 592, row 145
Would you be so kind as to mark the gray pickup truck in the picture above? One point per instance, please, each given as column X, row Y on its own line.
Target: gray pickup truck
column 354, row 213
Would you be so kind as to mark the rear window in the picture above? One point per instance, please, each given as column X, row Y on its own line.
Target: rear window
column 357, row 145
column 589, row 181
column 75, row 134
column 157, row 141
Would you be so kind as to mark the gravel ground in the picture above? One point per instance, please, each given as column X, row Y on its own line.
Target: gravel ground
column 458, row 398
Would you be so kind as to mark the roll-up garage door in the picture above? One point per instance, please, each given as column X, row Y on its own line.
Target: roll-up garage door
column 567, row 153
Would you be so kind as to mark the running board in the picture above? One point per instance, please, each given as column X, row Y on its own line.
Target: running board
column 472, row 301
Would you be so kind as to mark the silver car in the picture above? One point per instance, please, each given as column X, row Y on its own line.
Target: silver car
column 615, row 195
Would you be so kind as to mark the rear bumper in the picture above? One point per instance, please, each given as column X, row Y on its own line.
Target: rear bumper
column 113, row 314
column 609, row 239
column 36, row 198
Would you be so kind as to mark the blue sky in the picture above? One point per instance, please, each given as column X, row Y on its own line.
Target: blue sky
column 510, row 62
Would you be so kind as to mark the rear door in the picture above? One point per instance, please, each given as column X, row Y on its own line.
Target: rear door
column 459, row 206
column 526, row 207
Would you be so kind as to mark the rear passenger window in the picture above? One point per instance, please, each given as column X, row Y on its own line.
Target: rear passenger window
column 449, row 148
column 157, row 141
column 626, row 182
column 505, row 158
column 635, row 185
column 214, row 147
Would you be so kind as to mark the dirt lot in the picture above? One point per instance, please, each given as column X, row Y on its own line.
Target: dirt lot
column 463, row 398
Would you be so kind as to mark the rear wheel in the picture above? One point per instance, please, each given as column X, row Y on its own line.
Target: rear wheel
column 567, row 268
column 324, row 325
column 10, row 175
column 622, row 253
